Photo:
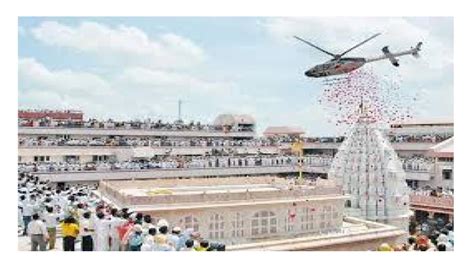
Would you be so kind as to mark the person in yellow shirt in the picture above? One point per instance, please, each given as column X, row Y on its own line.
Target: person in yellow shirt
column 70, row 230
column 203, row 246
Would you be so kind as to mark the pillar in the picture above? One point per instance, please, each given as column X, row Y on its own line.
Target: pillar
column 431, row 215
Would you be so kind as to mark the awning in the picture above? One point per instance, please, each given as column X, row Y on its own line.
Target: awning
column 443, row 149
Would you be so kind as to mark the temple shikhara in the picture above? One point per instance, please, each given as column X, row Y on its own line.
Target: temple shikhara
column 372, row 175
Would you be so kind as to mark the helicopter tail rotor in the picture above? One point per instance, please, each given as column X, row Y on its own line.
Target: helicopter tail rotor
column 416, row 50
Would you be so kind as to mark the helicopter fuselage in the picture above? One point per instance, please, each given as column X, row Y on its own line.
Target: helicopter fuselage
column 336, row 67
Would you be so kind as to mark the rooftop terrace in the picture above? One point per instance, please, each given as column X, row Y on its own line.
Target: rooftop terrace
column 163, row 192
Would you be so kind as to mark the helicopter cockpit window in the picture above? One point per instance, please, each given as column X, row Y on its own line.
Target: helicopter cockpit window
column 321, row 67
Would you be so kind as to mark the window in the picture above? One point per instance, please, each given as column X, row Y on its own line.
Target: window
column 447, row 174
column 71, row 158
column 328, row 226
column 190, row 222
column 307, row 218
column 238, row 225
column 322, row 225
column 41, row 158
column 444, row 159
column 347, row 204
column 216, row 226
column 264, row 222
column 100, row 158
column 326, row 213
column 290, row 221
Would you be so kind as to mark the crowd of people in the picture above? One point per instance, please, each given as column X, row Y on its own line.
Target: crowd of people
column 410, row 164
column 417, row 138
column 147, row 124
column 173, row 162
column 417, row 163
column 427, row 235
column 146, row 141
column 83, row 221
column 166, row 141
column 162, row 141
column 437, row 241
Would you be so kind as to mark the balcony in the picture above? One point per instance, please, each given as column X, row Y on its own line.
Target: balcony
column 443, row 204
column 132, row 132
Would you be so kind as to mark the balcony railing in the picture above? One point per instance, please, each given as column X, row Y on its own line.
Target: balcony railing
column 446, row 202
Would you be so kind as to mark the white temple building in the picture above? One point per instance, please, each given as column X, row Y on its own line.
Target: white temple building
column 371, row 173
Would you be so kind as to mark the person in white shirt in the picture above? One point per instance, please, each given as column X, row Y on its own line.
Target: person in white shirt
column 51, row 221
column 38, row 233
column 86, row 230
column 102, row 229
column 27, row 211
column 115, row 223
column 149, row 241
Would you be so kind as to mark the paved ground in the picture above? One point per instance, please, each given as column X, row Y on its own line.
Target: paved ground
column 24, row 244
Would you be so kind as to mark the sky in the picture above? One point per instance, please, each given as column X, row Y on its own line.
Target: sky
column 139, row 67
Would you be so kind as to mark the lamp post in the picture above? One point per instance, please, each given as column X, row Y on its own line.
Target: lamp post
column 297, row 148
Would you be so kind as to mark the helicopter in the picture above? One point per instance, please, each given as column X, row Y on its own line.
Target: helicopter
column 341, row 65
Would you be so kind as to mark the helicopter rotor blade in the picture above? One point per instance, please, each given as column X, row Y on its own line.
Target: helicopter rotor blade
column 314, row 46
column 359, row 44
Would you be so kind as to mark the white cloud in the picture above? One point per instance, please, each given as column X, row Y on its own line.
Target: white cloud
column 35, row 76
column 165, row 81
column 132, row 93
column 121, row 45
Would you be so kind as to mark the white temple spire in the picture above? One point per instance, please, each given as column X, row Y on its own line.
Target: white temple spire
column 370, row 172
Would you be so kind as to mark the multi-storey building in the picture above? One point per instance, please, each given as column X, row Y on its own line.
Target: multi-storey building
column 228, row 147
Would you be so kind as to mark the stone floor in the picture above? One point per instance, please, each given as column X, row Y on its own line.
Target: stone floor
column 24, row 244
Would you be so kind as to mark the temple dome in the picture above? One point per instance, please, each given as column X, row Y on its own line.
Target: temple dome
column 371, row 174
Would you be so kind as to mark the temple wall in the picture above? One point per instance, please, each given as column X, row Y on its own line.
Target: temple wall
column 253, row 222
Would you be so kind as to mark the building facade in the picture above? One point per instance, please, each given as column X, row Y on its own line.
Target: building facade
column 263, row 213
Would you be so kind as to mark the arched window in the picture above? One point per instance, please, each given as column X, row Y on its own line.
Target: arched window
column 238, row 225
column 264, row 222
column 307, row 218
column 335, row 213
column 190, row 222
column 326, row 218
column 327, row 212
column 290, row 221
column 347, row 204
column 322, row 226
column 216, row 226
